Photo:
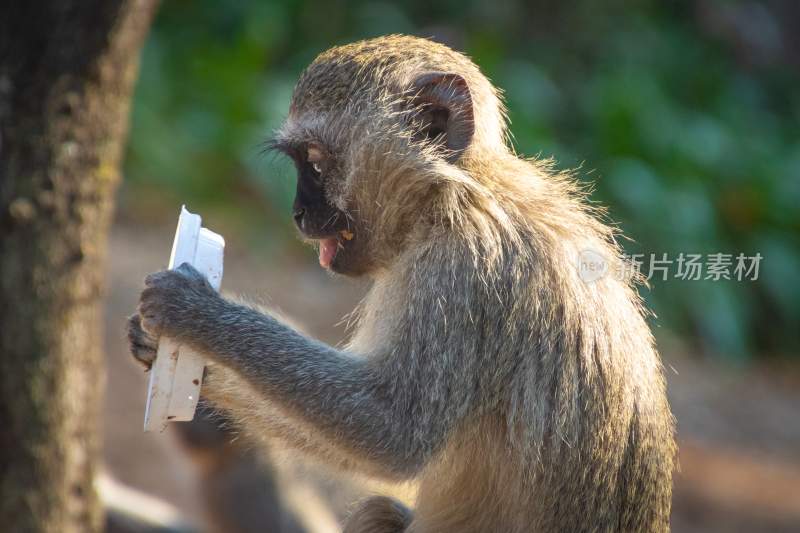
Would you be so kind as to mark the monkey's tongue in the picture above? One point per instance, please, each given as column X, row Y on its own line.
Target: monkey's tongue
column 327, row 251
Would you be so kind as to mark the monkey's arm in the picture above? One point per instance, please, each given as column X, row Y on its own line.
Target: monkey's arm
column 259, row 417
column 394, row 409
column 252, row 412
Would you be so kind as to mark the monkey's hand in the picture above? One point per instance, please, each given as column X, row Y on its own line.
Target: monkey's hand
column 175, row 303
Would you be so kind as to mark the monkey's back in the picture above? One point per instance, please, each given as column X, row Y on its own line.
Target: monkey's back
column 567, row 426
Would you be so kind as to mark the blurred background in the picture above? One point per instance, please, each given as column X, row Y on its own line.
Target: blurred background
column 685, row 116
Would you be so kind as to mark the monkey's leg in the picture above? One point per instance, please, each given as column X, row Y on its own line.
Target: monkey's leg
column 379, row 514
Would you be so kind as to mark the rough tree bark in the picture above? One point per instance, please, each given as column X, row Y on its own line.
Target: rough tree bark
column 67, row 69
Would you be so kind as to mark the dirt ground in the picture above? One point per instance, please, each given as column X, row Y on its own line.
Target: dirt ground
column 738, row 428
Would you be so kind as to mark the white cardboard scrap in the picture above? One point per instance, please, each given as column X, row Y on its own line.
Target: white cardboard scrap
column 177, row 372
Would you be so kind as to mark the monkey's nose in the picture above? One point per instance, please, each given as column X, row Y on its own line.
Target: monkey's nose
column 298, row 215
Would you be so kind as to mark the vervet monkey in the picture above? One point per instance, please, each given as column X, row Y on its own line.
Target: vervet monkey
column 521, row 396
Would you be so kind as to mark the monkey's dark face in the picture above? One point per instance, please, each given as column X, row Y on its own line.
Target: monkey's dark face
column 366, row 159
column 316, row 216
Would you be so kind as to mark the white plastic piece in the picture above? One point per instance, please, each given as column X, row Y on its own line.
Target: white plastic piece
column 177, row 372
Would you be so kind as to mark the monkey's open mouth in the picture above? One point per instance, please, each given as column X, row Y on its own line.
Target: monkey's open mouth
column 327, row 251
column 329, row 246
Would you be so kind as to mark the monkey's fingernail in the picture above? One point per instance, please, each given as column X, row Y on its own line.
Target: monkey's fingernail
column 347, row 235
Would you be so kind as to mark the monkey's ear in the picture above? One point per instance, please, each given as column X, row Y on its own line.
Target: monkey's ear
column 442, row 111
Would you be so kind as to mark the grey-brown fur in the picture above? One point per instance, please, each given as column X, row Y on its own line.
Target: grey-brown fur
column 520, row 396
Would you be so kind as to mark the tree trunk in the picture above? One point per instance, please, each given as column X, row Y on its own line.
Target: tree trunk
column 67, row 69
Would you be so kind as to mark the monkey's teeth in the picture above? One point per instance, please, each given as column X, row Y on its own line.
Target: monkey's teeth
column 327, row 251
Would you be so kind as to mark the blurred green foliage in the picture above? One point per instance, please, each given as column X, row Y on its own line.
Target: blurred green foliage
column 686, row 115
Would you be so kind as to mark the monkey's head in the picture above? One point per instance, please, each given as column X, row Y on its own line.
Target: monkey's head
column 382, row 133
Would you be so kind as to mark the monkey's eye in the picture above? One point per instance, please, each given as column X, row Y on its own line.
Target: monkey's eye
column 314, row 172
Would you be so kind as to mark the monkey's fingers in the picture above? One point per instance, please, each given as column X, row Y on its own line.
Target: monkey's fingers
column 143, row 347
